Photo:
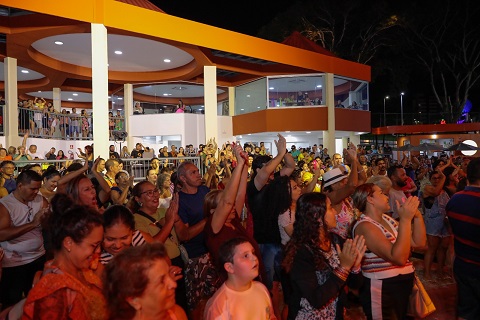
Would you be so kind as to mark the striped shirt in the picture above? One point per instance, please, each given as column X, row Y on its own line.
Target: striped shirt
column 373, row 266
column 137, row 240
column 464, row 216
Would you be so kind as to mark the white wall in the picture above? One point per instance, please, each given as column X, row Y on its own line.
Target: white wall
column 190, row 127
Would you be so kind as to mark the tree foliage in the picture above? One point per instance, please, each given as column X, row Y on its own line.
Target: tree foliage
column 443, row 38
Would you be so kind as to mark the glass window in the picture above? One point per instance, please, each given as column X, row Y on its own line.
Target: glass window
column 351, row 93
column 296, row 90
column 251, row 97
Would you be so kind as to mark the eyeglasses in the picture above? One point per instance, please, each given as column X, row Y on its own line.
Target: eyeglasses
column 150, row 193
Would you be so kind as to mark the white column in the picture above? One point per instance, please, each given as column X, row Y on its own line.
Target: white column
column 100, row 90
column 128, row 111
column 355, row 139
column 329, row 92
column 10, row 123
column 57, row 99
column 210, row 93
column 231, row 101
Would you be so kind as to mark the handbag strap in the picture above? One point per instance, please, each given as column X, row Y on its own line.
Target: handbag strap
column 149, row 217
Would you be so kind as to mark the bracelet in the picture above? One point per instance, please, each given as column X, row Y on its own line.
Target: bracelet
column 342, row 273
column 357, row 270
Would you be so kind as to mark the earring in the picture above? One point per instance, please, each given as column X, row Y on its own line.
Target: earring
column 140, row 204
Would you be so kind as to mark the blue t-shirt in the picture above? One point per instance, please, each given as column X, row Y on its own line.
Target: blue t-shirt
column 190, row 210
column 10, row 185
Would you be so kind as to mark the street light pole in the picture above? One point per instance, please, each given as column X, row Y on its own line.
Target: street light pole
column 384, row 114
column 401, row 105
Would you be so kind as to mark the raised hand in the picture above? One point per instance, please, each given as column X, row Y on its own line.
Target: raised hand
column 408, row 208
column 172, row 212
column 347, row 254
column 242, row 157
column 359, row 244
column 281, row 144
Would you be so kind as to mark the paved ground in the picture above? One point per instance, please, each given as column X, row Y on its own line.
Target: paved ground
column 443, row 293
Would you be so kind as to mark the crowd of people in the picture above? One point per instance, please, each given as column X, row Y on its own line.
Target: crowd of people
column 39, row 118
column 315, row 230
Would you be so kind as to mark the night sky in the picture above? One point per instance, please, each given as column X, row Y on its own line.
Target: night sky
column 245, row 16
column 248, row 17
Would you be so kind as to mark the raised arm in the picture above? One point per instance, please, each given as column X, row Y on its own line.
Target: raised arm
column 227, row 198
column 104, row 193
column 264, row 173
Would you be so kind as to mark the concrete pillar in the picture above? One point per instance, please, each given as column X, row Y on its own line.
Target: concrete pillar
column 355, row 139
column 57, row 99
column 231, row 101
column 100, row 90
column 329, row 92
column 128, row 111
column 10, row 123
column 210, row 93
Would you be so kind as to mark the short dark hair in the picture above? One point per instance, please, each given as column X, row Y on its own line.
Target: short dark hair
column 69, row 220
column 5, row 162
column 391, row 171
column 377, row 160
column 118, row 214
column 27, row 176
column 121, row 283
column 473, row 171
column 227, row 251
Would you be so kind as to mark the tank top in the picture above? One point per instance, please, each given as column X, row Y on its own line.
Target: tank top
column 28, row 246
column 373, row 266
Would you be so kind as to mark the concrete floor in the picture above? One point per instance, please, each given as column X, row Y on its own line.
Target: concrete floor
column 442, row 292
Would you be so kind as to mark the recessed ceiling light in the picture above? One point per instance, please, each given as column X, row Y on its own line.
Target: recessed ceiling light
column 59, row 43
column 39, row 91
column 120, row 98
column 308, row 132
column 113, row 102
column 167, row 94
column 319, row 86
column 167, row 60
column 120, row 109
column 242, row 109
column 248, row 96
column 287, row 131
column 70, row 99
column 109, row 97
column 75, row 94
column 25, row 71
column 118, row 52
column 249, row 134
column 271, row 88
column 258, row 107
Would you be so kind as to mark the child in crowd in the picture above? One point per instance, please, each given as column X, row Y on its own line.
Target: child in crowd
column 239, row 297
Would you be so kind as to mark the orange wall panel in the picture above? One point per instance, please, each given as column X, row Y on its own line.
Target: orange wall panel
column 352, row 120
column 277, row 120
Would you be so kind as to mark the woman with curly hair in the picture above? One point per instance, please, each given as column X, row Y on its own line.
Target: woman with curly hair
column 320, row 263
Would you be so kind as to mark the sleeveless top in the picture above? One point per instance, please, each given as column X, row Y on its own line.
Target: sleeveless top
column 373, row 266
column 27, row 247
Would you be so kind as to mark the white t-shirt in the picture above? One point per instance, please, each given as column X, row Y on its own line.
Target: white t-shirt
column 254, row 303
column 284, row 220
column 392, row 196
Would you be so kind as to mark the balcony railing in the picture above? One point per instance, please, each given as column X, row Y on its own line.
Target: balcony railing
column 53, row 125
column 137, row 167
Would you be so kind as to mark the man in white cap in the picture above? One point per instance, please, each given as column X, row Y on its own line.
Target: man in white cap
column 339, row 186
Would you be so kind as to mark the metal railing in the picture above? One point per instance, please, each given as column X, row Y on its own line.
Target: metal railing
column 137, row 167
column 67, row 126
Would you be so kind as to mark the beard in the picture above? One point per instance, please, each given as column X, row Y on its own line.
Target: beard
column 401, row 183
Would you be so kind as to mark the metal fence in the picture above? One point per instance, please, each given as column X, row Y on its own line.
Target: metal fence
column 68, row 126
column 137, row 167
